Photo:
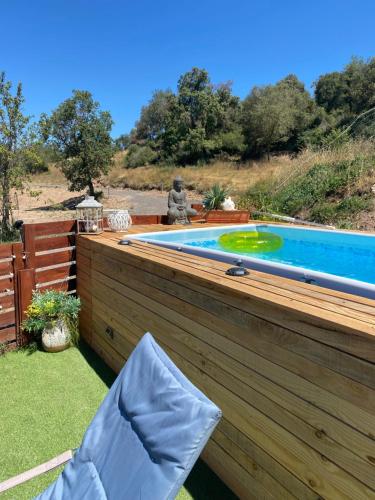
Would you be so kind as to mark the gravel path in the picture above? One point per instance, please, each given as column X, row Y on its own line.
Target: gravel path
column 54, row 202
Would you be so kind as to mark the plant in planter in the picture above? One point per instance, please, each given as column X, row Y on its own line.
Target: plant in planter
column 213, row 202
column 52, row 317
column 214, row 197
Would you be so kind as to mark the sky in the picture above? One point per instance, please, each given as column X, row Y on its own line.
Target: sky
column 122, row 50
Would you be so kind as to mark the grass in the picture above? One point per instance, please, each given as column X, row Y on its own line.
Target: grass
column 47, row 401
column 334, row 186
column 237, row 177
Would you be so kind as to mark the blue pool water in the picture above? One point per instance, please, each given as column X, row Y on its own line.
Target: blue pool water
column 342, row 254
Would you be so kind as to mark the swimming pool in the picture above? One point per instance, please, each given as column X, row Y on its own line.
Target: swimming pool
column 340, row 260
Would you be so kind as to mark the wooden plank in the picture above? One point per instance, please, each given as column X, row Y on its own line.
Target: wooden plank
column 55, row 242
column 113, row 238
column 293, row 451
column 25, row 287
column 61, row 272
column 319, row 353
column 54, row 258
column 302, row 291
column 5, row 250
column 231, row 472
column 36, row 471
column 145, row 219
column 221, row 367
column 313, row 469
column 7, row 334
column 28, row 231
column 7, row 301
column 289, row 481
column 310, row 321
column 325, row 424
column 220, row 216
column 66, row 284
column 354, row 392
column 260, row 476
column 7, row 317
column 6, row 267
column 55, row 227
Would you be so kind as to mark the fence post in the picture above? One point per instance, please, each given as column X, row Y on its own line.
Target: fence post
column 25, row 280
column 29, row 245
column 17, row 265
column 26, row 285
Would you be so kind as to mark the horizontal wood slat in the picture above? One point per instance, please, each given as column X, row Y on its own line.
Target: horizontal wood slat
column 56, row 271
column 5, row 250
column 55, row 242
column 7, row 334
column 7, row 318
column 54, row 227
column 54, row 258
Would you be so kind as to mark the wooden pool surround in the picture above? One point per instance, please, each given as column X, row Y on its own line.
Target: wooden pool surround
column 290, row 364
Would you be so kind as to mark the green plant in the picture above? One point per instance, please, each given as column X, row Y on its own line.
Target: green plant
column 47, row 308
column 35, row 194
column 214, row 197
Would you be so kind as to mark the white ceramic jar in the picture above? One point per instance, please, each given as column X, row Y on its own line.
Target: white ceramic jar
column 119, row 220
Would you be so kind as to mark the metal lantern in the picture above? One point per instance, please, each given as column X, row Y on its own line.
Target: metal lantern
column 89, row 216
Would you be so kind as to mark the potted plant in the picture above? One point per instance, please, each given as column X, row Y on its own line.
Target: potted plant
column 52, row 317
column 213, row 202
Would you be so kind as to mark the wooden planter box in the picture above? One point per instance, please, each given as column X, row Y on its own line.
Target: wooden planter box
column 230, row 216
column 219, row 216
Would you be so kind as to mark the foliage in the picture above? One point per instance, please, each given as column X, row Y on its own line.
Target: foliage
column 14, row 143
column 202, row 121
column 36, row 158
column 50, row 306
column 192, row 126
column 275, row 116
column 10, row 235
column 342, row 211
column 80, row 133
column 122, row 142
column 139, row 155
column 325, row 193
column 348, row 93
column 214, row 198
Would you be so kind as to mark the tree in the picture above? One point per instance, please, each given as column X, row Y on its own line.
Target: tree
column 80, row 133
column 193, row 125
column 122, row 142
column 275, row 115
column 349, row 93
column 13, row 145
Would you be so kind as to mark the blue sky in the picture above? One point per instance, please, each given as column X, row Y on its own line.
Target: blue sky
column 122, row 50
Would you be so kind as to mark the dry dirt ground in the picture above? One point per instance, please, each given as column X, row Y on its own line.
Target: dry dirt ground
column 43, row 202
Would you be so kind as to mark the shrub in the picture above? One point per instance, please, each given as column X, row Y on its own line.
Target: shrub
column 50, row 306
column 214, row 197
column 138, row 156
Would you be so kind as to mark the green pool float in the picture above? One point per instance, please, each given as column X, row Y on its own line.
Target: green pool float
column 250, row 241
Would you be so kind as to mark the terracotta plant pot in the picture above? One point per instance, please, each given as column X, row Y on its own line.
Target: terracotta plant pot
column 56, row 337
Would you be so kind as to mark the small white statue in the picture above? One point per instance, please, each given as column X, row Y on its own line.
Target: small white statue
column 228, row 204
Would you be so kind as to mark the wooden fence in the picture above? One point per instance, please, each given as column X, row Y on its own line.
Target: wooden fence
column 45, row 259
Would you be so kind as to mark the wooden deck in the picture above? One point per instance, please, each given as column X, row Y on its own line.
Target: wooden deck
column 290, row 364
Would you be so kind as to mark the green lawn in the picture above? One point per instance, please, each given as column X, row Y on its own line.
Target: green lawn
column 46, row 403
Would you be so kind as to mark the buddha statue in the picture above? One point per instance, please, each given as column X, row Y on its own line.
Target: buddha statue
column 179, row 209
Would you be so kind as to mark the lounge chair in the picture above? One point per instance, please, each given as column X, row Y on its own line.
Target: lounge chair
column 145, row 437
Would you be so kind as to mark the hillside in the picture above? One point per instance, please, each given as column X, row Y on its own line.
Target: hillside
column 329, row 186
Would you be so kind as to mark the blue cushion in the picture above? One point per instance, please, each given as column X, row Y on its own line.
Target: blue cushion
column 145, row 437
